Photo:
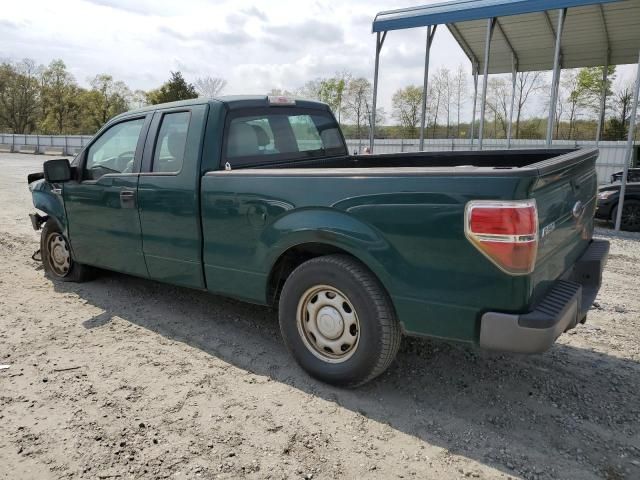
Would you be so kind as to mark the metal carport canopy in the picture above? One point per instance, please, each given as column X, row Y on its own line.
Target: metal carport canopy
column 526, row 29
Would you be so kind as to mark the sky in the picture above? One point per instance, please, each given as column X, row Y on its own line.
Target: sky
column 254, row 45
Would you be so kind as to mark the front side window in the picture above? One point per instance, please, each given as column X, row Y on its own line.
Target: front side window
column 168, row 156
column 280, row 136
column 114, row 151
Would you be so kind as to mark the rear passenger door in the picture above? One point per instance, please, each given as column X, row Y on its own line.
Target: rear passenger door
column 169, row 194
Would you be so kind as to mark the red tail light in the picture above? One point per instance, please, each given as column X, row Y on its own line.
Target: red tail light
column 505, row 232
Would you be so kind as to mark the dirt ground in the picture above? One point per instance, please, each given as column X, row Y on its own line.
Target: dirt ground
column 127, row 378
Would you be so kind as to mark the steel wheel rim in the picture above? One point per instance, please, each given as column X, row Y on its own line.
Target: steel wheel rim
column 59, row 255
column 328, row 324
column 631, row 216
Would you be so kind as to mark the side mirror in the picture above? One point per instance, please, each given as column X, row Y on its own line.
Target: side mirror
column 57, row 171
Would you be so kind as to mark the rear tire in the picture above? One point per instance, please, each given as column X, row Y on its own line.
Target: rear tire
column 338, row 321
column 630, row 216
column 56, row 254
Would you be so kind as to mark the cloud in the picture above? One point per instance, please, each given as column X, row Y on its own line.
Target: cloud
column 141, row 7
column 300, row 35
column 170, row 32
column 255, row 46
column 210, row 38
column 217, row 38
column 255, row 12
column 8, row 25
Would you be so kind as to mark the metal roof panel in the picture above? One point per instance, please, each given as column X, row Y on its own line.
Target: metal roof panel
column 529, row 27
column 466, row 10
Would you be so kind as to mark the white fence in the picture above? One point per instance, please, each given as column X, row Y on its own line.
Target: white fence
column 612, row 154
column 611, row 159
column 71, row 144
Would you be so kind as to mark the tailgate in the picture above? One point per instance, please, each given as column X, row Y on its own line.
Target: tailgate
column 565, row 193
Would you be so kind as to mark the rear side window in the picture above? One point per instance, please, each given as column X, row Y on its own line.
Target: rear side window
column 168, row 156
column 277, row 135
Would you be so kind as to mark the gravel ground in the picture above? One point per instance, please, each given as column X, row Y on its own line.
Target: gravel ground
column 127, row 378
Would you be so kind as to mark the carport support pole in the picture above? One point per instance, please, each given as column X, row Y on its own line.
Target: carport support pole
column 475, row 101
column 491, row 23
column 514, row 73
column 603, row 100
column 630, row 138
column 431, row 30
column 372, row 120
column 555, row 83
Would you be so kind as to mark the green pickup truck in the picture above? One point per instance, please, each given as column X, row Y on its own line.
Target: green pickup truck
column 257, row 198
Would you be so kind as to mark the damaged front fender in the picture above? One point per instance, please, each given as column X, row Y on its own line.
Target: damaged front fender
column 47, row 199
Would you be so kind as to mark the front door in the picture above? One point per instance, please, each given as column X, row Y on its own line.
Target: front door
column 102, row 206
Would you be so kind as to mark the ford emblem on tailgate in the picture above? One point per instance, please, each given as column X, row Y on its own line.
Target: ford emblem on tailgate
column 578, row 209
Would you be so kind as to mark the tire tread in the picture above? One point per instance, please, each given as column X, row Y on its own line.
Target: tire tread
column 79, row 273
column 391, row 333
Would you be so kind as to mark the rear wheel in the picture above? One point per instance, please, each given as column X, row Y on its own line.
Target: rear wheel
column 57, row 258
column 337, row 321
column 630, row 220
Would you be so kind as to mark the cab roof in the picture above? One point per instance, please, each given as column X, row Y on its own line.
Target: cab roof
column 232, row 102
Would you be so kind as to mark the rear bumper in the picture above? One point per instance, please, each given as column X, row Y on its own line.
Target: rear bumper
column 566, row 304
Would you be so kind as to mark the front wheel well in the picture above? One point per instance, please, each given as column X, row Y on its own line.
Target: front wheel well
column 292, row 259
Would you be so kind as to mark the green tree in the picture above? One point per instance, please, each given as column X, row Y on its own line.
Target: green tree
column 59, row 99
column 332, row 92
column 582, row 92
column 328, row 90
column 407, row 104
column 106, row 99
column 573, row 97
column 19, row 96
column 590, row 83
column 176, row 88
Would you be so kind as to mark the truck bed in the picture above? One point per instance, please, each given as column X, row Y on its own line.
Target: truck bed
column 407, row 210
column 507, row 159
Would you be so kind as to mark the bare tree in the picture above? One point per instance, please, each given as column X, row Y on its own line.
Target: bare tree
column 459, row 94
column 526, row 84
column 355, row 102
column 499, row 103
column 310, row 90
column 435, row 99
column 209, row 87
column 380, row 115
column 280, row 92
column 137, row 99
column 618, row 125
column 444, row 82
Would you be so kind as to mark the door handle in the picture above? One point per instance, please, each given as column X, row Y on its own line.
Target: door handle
column 127, row 199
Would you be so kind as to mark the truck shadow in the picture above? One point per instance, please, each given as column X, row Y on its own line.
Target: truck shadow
column 506, row 411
